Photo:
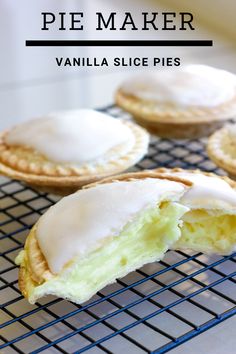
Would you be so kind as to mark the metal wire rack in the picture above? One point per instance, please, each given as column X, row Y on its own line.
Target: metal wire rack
column 151, row 310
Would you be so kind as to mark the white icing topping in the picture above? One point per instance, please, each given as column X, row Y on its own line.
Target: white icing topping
column 191, row 85
column 208, row 192
column 77, row 136
column 80, row 222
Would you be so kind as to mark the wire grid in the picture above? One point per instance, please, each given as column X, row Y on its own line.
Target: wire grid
column 151, row 310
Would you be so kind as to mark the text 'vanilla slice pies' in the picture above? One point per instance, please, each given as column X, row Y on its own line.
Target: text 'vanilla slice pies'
column 185, row 102
column 110, row 228
column 222, row 149
column 63, row 151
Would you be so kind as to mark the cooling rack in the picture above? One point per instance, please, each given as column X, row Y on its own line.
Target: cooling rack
column 151, row 310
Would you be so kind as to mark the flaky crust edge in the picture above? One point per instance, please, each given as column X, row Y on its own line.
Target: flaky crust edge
column 159, row 112
column 217, row 153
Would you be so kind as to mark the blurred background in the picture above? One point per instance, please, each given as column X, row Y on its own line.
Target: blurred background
column 31, row 84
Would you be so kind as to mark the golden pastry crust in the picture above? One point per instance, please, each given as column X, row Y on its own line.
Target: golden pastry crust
column 30, row 166
column 161, row 173
column 34, row 270
column 164, row 170
column 222, row 151
column 171, row 121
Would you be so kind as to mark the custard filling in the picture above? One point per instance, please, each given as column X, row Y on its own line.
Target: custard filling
column 144, row 240
column 208, row 232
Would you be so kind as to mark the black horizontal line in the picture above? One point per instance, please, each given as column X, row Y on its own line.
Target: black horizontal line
column 119, row 43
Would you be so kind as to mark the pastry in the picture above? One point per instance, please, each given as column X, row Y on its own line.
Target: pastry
column 110, row 228
column 184, row 102
column 65, row 150
column 222, row 149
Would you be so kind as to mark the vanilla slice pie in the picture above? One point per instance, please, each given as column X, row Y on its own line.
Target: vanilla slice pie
column 222, row 149
column 65, row 150
column 110, row 228
column 183, row 102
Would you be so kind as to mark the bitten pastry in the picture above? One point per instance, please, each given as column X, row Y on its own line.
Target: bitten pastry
column 184, row 102
column 63, row 151
column 222, row 149
column 110, row 228
column 210, row 224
